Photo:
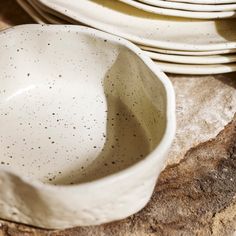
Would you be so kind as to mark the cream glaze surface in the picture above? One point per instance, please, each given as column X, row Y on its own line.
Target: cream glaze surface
column 86, row 121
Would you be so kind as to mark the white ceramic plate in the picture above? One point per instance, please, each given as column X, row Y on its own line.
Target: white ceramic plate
column 190, row 6
column 146, row 28
column 214, row 2
column 47, row 16
column 38, row 15
column 202, row 60
column 180, row 13
column 190, row 53
column 49, row 13
column 196, row 69
column 77, row 132
column 32, row 12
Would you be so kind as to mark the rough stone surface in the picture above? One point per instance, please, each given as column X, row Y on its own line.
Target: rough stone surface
column 204, row 105
column 197, row 196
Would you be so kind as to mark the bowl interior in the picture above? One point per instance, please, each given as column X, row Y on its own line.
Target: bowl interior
column 75, row 106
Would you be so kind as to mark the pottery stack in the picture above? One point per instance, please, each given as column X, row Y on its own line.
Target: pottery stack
column 182, row 36
column 87, row 114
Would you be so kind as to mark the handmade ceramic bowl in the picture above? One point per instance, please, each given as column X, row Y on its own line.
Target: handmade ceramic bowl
column 86, row 120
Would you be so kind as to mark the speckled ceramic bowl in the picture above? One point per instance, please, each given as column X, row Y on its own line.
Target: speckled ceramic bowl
column 86, row 120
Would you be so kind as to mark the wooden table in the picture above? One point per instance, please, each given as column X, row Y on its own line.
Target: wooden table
column 195, row 197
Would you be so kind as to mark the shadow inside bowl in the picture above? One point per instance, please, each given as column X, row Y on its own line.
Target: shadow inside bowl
column 72, row 124
column 127, row 140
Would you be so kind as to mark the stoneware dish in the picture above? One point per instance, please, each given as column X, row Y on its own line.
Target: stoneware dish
column 205, row 1
column 38, row 15
column 190, row 6
column 32, row 12
column 49, row 17
column 200, row 60
column 180, row 13
column 146, row 28
column 86, row 121
column 190, row 53
column 193, row 69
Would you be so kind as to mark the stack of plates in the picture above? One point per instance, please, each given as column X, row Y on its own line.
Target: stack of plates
column 183, row 36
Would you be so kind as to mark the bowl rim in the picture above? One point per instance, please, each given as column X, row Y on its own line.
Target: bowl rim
column 158, row 152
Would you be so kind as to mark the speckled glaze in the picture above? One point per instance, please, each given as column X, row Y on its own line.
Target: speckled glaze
column 86, row 121
column 146, row 28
